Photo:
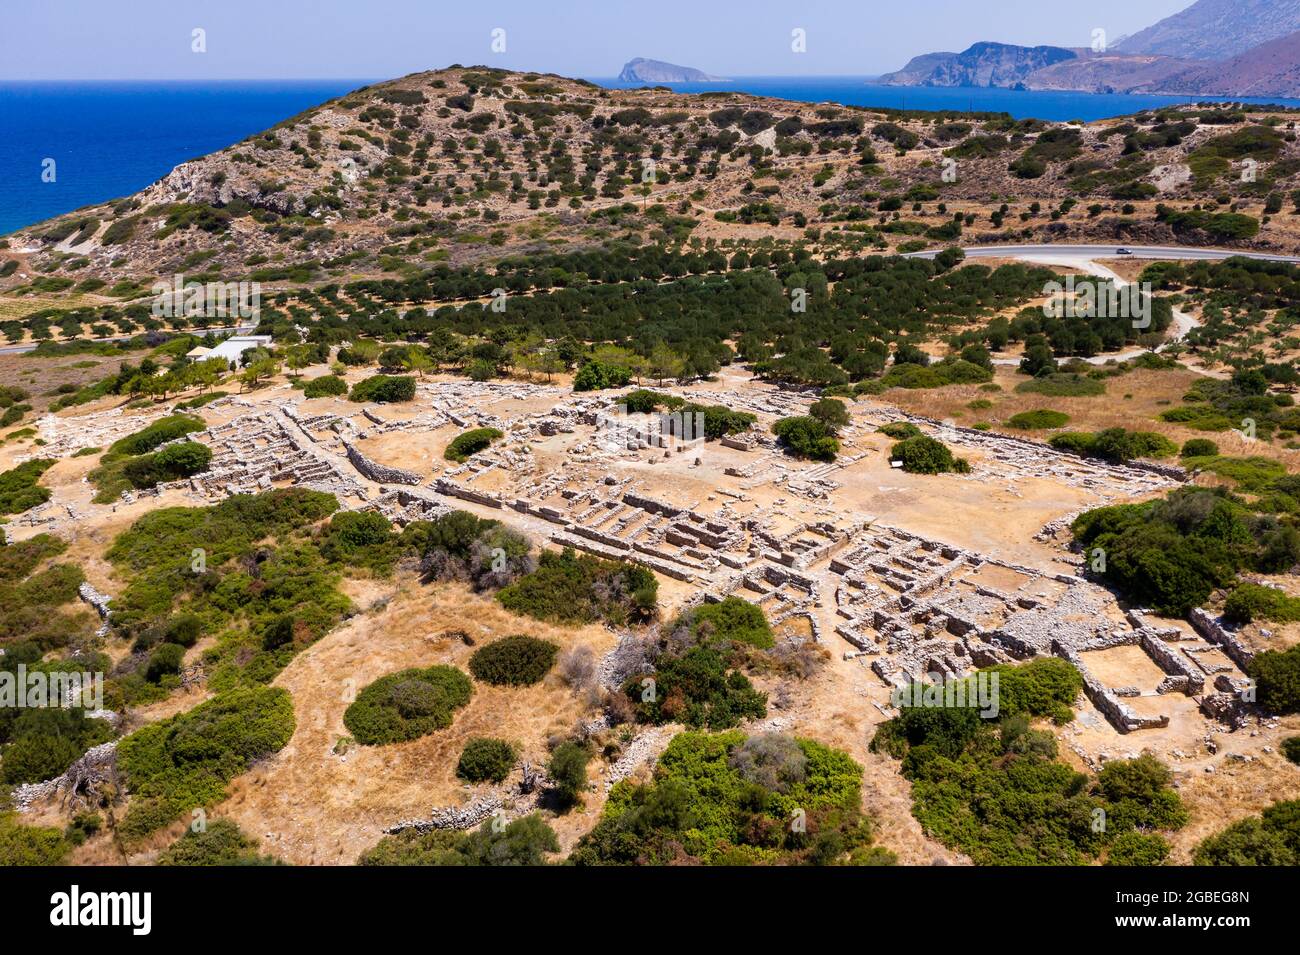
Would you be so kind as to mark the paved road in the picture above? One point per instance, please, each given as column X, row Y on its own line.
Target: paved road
column 1105, row 252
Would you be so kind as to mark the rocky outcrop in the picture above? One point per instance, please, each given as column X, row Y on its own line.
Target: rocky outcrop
column 982, row 64
column 641, row 70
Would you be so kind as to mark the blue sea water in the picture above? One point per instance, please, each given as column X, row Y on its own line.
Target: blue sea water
column 112, row 139
column 1021, row 104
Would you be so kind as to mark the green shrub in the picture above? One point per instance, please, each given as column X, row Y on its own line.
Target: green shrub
column 806, row 437
column 1272, row 839
column 326, row 386
column 568, row 771
column 469, row 443
column 18, row 488
column 220, row 842
column 172, row 463
column 579, row 588
column 407, row 705
column 155, row 435
column 1063, row 385
column 1138, row 848
column 384, row 389
column 1277, row 679
column 30, row 845
column 596, row 375
column 1037, row 420
column 1115, row 444
column 924, row 455
column 521, row 842
column 1291, row 749
column 486, row 759
column 1198, row 448
column 696, row 688
column 724, row 799
column 517, row 660
column 185, row 761
column 1254, row 602
column 899, row 430
column 732, row 620
column 994, row 788
column 165, row 660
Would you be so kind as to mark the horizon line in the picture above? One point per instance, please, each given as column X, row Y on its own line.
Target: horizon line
column 272, row 79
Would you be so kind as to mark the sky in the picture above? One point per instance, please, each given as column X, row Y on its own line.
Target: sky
column 376, row 39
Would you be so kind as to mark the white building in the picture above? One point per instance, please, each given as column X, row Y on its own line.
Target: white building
column 236, row 345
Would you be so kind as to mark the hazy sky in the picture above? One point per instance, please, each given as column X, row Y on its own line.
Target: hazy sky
column 151, row 39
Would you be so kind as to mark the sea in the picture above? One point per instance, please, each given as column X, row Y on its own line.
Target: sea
column 110, row 139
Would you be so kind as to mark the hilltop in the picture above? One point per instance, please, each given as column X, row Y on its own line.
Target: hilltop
column 467, row 165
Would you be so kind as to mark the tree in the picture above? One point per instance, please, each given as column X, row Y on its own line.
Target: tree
column 831, row 413
column 418, row 360
column 664, row 362
column 297, row 358
column 806, row 437
column 568, row 772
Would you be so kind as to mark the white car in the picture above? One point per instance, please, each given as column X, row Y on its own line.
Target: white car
column 1123, row 251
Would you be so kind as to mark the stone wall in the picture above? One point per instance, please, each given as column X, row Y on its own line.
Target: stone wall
column 381, row 473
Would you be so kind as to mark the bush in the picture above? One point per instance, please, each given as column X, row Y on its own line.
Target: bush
column 1115, row 444
column 155, row 435
column 1271, row 839
column 18, row 488
column 732, row 619
column 165, row 660
column 1254, row 602
column 518, row 660
column 595, row 376
column 30, row 845
column 172, row 463
column 485, row 759
column 568, row 772
column 996, row 791
column 899, row 430
column 1138, row 848
column 522, row 842
column 806, row 437
column 696, row 688
column 221, row 842
column 722, row 799
column 1291, row 749
column 185, row 761
column 579, row 588
column 324, row 387
column 1277, row 678
column 407, row 705
column 384, row 389
column 1037, row 420
column 1198, row 448
column 470, row 442
column 924, row 455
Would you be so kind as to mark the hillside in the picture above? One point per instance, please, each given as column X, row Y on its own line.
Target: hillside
column 1270, row 69
column 445, row 169
column 1216, row 30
